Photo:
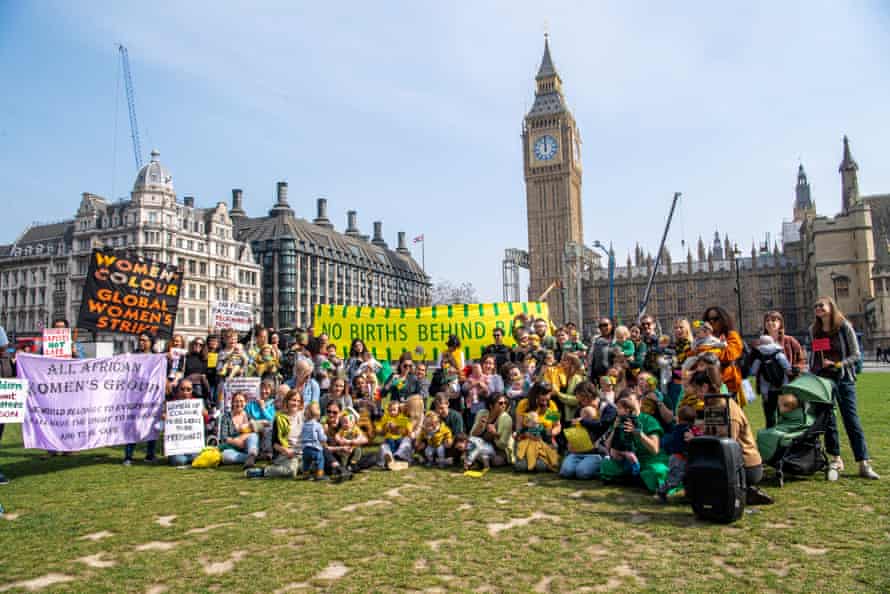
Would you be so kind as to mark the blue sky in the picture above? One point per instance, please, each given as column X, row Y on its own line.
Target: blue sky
column 410, row 112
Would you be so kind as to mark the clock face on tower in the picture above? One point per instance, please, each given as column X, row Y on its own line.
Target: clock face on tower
column 545, row 148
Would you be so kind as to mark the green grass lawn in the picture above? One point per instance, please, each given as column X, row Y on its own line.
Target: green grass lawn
column 86, row 523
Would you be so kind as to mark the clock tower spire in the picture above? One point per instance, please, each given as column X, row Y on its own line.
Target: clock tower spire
column 552, row 166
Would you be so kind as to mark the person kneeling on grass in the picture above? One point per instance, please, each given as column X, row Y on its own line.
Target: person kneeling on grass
column 643, row 433
column 286, row 432
column 237, row 440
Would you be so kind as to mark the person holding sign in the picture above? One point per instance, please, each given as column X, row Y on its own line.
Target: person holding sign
column 143, row 345
column 183, row 391
column 7, row 369
column 834, row 356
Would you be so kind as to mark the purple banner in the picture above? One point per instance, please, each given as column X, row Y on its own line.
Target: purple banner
column 81, row 404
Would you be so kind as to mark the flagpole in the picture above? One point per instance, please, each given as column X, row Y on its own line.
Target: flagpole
column 423, row 255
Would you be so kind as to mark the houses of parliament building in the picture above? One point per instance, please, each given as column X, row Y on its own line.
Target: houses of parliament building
column 843, row 256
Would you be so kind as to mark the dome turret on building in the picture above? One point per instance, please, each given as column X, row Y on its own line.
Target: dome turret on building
column 153, row 176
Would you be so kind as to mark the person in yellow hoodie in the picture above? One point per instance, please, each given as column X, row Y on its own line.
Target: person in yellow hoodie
column 433, row 439
column 394, row 427
column 539, row 455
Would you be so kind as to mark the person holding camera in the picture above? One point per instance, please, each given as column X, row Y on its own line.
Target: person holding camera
column 639, row 433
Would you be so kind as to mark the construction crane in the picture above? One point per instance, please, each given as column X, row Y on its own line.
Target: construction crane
column 131, row 105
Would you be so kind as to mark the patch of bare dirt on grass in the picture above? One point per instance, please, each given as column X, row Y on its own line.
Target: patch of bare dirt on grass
column 420, row 564
column 497, row 527
column 11, row 517
column 96, row 535
column 165, row 521
column 39, row 583
column 436, row 544
column 207, row 528
column 811, row 550
column 97, row 561
column 158, row 545
column 369, row 503
column 543, row 585
column 731, row 570
column 334, row 571
column 157, row 589
column 221, row 567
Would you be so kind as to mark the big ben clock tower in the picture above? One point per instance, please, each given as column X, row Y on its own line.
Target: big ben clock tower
column 552, row 158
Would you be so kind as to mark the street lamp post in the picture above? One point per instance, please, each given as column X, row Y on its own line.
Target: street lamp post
column 611, row 256
column 738, row 286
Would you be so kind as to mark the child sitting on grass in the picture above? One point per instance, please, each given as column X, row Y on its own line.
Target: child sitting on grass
column 676, row 445
column 394, row 427
column 473, row 450
column 349, row 440
column 313, row 439
column 434, row 437
column 621, row 444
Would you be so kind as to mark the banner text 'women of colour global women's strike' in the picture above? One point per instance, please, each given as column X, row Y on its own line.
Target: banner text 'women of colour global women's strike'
column 129, row 296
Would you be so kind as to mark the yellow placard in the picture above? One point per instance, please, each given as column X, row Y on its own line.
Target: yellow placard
column 388, row 332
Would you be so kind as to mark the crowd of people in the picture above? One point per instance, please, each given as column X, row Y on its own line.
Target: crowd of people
column 622, row 408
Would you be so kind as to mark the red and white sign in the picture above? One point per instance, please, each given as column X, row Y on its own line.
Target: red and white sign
column 229, row 314
column 57, row 342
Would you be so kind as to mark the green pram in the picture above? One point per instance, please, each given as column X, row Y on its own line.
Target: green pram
column 794, row 444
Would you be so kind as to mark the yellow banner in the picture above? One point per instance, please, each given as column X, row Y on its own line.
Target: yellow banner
column 388, row 332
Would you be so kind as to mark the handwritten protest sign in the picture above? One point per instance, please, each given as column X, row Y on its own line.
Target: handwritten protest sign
column 250, row 386
column 13, row 394
column 229, row 314
column 184, row 427
column 129, row 295
column 83, row 404
column 57, row 342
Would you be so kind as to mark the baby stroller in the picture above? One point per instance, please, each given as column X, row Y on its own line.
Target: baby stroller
column 794, row 446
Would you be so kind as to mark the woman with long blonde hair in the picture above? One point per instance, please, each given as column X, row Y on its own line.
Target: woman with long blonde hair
column 834, row 356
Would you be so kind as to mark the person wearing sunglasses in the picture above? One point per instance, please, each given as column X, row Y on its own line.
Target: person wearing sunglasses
column 495, row 426
column 184, row 390
column 402, row 384
column 500, row 351
column 834, row 356
column 724, row 329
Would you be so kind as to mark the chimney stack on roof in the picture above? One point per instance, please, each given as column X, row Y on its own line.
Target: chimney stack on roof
column 188, row 201
column 403, row 248
column 321, row 218
column 237, row 204
column 378, row 235
column 351, row 226
column 281, row 206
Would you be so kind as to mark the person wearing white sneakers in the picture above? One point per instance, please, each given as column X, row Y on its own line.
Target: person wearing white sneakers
column 834, row 354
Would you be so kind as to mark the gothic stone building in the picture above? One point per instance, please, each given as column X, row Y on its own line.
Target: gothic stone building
column 845, row 256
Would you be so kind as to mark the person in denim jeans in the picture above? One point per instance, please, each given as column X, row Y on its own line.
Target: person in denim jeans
column 834, row 355
column 238, row 442
column 143, row 346
column 586, row 465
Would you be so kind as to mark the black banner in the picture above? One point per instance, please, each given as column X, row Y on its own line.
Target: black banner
column 129, row 296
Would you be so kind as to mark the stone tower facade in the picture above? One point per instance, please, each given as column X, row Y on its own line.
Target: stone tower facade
column 803, row 201
column 552, row 164
column 849, row 178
